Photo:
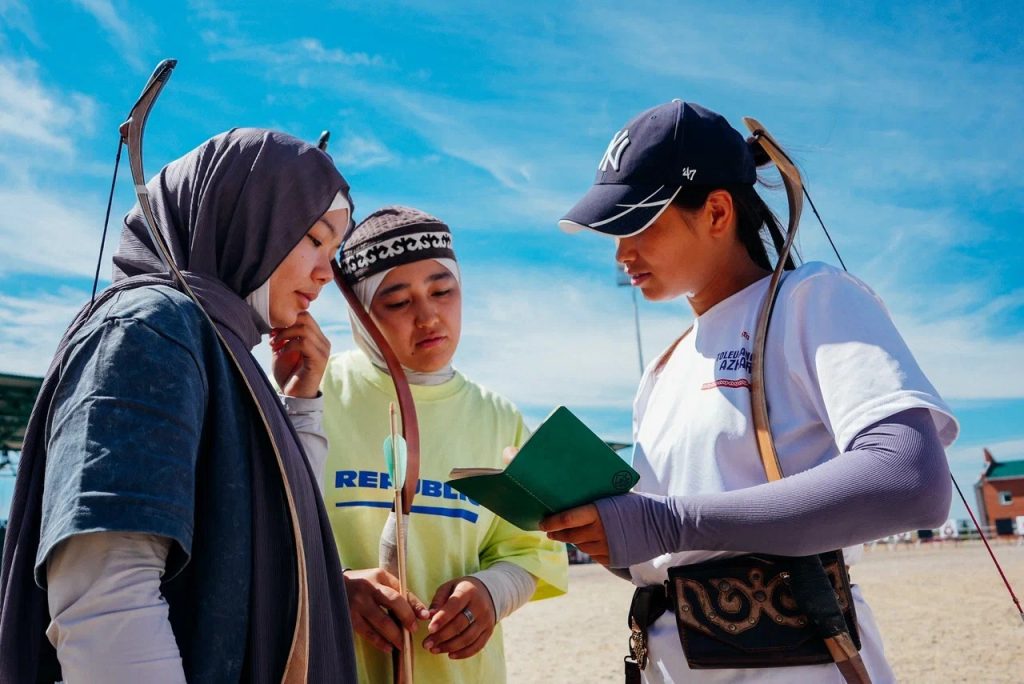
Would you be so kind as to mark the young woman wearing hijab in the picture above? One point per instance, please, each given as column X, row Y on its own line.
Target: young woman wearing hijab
column 859, row 430
column 473, row 567
column 165, row 525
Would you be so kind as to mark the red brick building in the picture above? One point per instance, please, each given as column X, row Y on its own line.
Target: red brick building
column 1000, row 493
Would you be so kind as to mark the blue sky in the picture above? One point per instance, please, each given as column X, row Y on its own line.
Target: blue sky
column 905, row 118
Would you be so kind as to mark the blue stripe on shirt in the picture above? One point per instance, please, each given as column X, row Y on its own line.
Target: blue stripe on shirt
column 426, row 510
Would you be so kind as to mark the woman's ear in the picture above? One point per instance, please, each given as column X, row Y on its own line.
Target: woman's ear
column 719, row 212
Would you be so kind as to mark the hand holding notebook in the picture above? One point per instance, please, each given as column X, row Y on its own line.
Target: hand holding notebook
column 561, row 466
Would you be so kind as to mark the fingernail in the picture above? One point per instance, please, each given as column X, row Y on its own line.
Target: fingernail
column 428, row 644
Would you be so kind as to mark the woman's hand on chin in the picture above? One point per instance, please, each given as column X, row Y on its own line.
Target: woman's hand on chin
column 300, row 354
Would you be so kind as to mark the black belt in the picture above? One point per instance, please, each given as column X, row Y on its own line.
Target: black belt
column 648, row 604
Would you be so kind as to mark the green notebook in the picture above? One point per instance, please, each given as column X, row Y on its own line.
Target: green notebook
column 562, row 465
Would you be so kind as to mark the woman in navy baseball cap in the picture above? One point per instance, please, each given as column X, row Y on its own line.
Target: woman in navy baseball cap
column 790, row 420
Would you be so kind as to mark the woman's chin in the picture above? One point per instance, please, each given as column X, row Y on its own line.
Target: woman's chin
column 431, row 365
column 283, row 319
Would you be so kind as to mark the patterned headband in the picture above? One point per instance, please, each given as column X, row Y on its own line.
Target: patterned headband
column 391, row 237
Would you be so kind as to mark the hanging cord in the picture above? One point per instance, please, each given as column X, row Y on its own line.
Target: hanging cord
column 822, row 224
column 106, row 221
column 990, row 551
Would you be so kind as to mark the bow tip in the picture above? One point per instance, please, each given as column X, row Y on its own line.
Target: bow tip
column 752, row 124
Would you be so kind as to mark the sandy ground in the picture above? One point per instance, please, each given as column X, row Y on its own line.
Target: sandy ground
column 942, row 609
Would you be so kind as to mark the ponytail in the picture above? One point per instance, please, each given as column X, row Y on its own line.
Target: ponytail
column 752, row 214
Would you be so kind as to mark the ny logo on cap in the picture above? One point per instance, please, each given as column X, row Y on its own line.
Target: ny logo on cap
column 613, row 155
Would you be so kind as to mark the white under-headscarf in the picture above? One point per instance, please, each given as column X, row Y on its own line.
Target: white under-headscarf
column 365, row 290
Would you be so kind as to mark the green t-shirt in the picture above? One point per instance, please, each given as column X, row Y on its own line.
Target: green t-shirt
column 461, row 424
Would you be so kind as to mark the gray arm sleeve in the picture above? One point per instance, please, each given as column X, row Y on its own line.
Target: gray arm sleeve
column 307, row 419
column 109, row 622
column 509, row 585
column 893, row 478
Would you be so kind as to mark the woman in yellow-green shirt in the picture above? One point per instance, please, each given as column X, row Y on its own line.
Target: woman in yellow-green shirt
column 467, row 568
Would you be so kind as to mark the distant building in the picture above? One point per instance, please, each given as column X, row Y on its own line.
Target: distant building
column 1000, row 494
column 17, row 396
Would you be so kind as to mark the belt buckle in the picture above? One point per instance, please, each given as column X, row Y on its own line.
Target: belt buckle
column 638, row 643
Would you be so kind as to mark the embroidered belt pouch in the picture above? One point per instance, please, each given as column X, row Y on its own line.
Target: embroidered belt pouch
column 741, row 612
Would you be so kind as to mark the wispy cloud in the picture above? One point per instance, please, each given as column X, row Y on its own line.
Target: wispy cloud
column 362, row 152
column 36, row 115
column 292, row 53
column 49, row 232
column 490, row 136
column 457, row 128
column 45, row 225
column 15, row 15
column 961, row 361
column 209, row 12
column 131, row 35
column 970, row 455
column 33, row 326
column 557, row 338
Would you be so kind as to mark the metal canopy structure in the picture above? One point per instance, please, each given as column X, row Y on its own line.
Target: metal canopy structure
column 17, row 396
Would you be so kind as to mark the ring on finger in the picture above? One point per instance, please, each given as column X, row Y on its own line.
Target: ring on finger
column 469, row 615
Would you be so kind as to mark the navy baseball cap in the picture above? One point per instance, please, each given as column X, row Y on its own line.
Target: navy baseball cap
column 660, row 151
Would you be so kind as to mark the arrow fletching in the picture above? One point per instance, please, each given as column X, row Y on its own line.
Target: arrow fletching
column 396, row 456
column 389, row 458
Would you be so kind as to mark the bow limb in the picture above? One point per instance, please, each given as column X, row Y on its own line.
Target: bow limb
column 839, row 643
column 406, row 405
column 794, row 193
column 132, row 131
column 791, row 179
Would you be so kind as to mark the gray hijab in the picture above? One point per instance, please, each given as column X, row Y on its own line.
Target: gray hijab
column 231, row 211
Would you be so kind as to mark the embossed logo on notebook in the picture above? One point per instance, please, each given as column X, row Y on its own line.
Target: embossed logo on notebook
column 622, row 481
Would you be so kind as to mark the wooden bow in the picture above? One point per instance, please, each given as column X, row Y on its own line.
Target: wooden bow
column 401, row 663
column 132, row 130
column 840, row 646
column 794, row 184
